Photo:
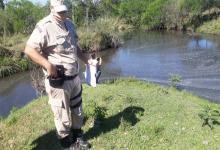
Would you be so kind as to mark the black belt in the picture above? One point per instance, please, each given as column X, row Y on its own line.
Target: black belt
column 70, row 77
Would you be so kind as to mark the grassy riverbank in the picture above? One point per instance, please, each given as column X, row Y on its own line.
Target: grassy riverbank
column 103, row 33
column 12, row 62
column 210, row 27
column 132, row 115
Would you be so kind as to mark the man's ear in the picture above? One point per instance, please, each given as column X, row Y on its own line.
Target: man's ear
column 52, row 9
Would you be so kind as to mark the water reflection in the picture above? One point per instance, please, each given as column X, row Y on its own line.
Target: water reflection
column 15, row 91
column 200, row 44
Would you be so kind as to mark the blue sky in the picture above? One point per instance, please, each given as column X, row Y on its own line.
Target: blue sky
column 39, row 1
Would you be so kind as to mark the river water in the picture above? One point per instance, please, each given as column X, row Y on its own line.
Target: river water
column 150, row 56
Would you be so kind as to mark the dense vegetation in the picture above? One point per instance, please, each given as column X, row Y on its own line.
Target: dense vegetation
column 212, row 27
column 12, row 62
column 122, row 114
column 20, row 16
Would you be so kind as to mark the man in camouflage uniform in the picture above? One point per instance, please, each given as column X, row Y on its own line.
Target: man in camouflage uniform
column 53, row 43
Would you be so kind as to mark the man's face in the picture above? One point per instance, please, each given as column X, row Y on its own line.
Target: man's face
column 62, row 15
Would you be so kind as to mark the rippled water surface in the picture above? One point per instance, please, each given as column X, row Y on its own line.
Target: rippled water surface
column 150, row 56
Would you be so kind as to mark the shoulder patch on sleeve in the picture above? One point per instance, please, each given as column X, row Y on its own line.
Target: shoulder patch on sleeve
column 38, row 28
column 40, row 25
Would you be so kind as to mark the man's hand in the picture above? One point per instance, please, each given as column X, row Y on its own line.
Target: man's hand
column 39, row 59
column 51, row 70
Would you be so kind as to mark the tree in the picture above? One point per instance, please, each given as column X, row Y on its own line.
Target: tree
column 4, row 21
column 3, row 25
column 108, row 7
column 24, row 15
column 2, row 5
column 82, row 11
column 132, row 10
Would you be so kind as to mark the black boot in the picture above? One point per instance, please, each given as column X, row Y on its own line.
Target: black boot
column 78, row 137
column 65, row 142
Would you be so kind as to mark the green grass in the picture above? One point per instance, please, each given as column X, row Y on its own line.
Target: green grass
column 12, row 65
column 132, row 115
column 211, row 27
column 14, row 42
column 12, row 61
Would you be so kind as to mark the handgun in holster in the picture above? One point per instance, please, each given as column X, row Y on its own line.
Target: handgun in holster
column 57, row 81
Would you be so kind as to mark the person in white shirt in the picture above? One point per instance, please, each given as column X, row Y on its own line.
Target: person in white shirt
column 93, row 71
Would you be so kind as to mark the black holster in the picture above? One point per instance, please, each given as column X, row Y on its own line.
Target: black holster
column 58, row 81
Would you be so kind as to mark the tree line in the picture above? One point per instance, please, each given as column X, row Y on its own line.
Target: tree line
column 21, row 16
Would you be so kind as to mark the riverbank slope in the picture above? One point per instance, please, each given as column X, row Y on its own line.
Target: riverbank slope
column 129, row 113
column 210, row 27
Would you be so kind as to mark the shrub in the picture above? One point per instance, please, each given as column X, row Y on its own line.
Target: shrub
column 174, row 79
column 95, row 111
column 5, row 52
column 132, row 11
column 210, row 116
column 212, row 27
column 9, row 66
column 153, row 17
column 103, row 33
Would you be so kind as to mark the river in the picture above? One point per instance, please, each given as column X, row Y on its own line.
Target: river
column 149, row 56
